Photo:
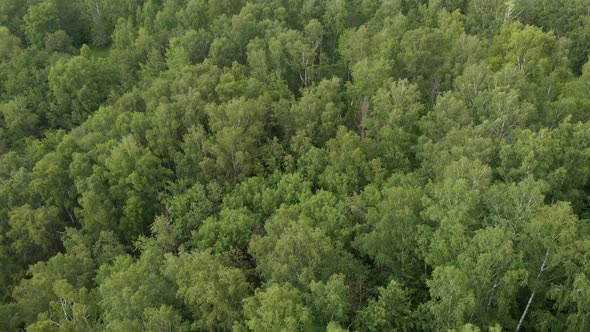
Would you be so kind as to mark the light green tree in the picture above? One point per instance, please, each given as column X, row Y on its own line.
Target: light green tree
column 280, row 307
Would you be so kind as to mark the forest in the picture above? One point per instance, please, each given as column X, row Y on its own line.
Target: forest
column 294, row 165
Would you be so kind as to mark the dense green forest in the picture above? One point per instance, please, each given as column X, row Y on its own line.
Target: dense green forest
column 281, row 165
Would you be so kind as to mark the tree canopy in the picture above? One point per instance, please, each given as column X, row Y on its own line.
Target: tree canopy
column 284, row 165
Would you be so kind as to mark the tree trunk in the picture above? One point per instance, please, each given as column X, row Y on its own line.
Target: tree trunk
column 363, row 114
column 526, row 309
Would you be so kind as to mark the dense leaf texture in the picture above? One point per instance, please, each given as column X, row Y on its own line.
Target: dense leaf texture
column 283, row 165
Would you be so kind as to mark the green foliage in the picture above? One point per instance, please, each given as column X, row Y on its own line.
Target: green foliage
column 281, row 165
column 233, row 229
column 40, row 20
column 59, row 41
column 329, row 300
column 8, row 44
column 62, row 282
column 131, row 291
column 396, row 216
column 293, row 251
column 280, row 307
column 210, row 290
column 80, row 84
column 391, row 311
column 318, row 112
